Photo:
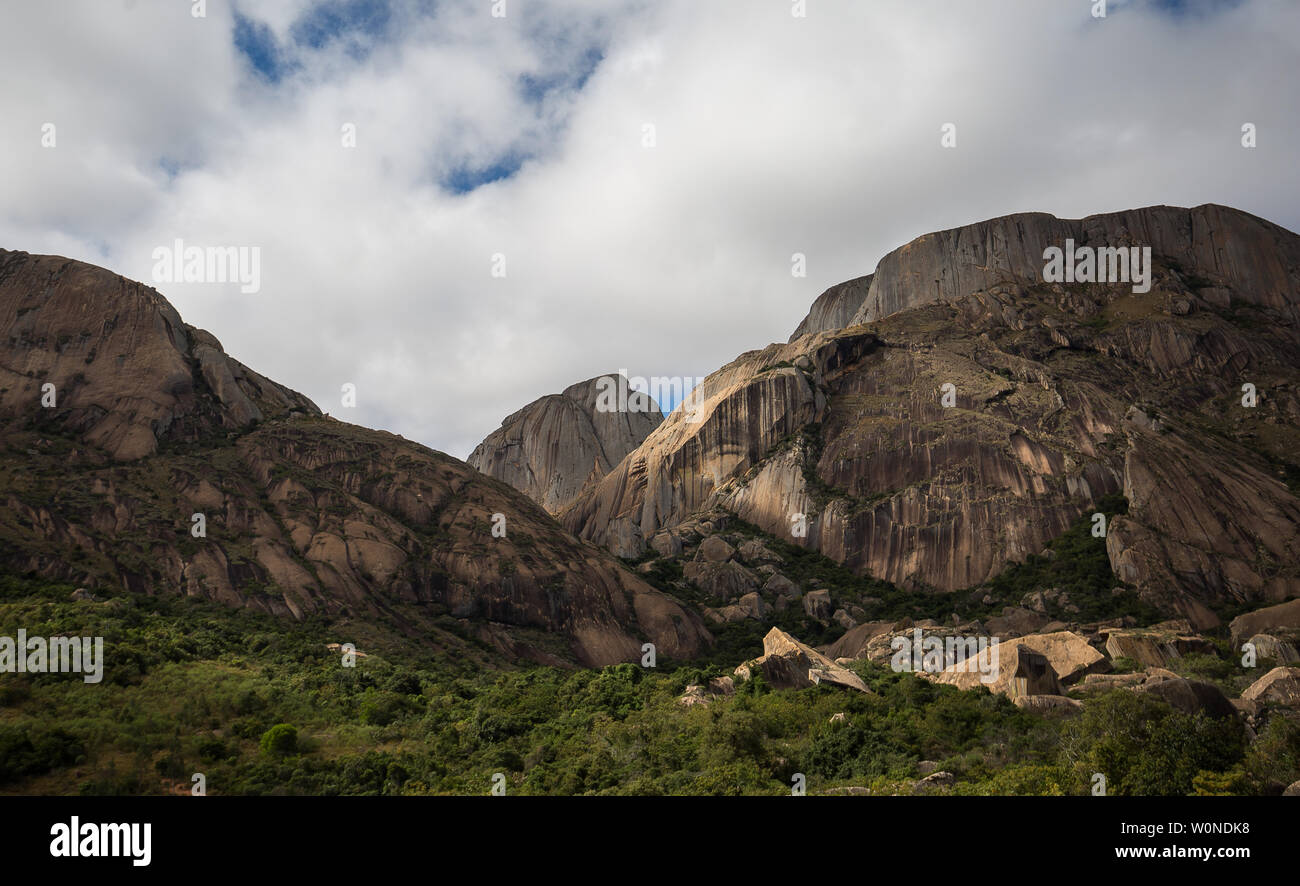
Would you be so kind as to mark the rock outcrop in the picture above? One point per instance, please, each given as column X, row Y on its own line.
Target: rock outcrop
column 1268, row 620
column 1157, row 646
column 1188, row 696
column 1280, row 685
column 1259, row 257
column 835, row 308
column 1067, row 654
column 980, row 410
column 153, row 429
column 124, row 373
column 556, row 447
column 788, row 664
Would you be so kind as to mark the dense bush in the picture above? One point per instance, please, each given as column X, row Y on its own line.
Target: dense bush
column 280, row 740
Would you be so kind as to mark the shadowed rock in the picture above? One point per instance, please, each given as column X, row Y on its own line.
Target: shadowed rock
column 839, row 440
column 304, row 515
column 557, row 446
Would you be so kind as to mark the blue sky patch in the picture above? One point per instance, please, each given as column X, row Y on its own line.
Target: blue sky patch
column 464, row 179
column 334, row 20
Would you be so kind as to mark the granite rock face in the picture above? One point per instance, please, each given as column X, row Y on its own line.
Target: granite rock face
column 835, row 308
column 126, row 372
column 556, row 447
column 972, row 411
column 788, row 664
column 1258, row 257
column 153, row 424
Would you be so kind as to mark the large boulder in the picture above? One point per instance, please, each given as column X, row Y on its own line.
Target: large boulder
column 1277, row 647
column 1068, row 654
column 1015, row 621
column 722, row 581
column 788, row 664
column 1284, row 616
column 818, row 605
column 1157, row 646
column 1280, row 685
column 854, row 643
column 1188, row 696
column 715, row 549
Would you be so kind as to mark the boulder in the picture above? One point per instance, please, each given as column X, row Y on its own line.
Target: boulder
column 1155, row 647
column 715, row 549
column 788, row 664
column 1068, row 655
column 722, row 581
column 1045, row 703
column 667, row 544
column 754, row 606
column 1015, row 622
column 1277, row 648
column 934, row 782
column 1270, row 619
column 1280, row 685
column 778, row 585
column 755, row 553
column 1017, row 670
column 701, row 695
column 854, row 643
column 1188, row 696
column 818, row 605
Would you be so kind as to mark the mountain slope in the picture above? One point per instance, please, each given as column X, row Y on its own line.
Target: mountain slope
column 153, row 424
column 1062, row 393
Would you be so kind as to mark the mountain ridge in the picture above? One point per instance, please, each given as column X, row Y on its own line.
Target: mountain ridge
column 152, row 427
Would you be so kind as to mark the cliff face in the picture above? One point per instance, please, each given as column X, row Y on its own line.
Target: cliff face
column 835, row 308
column 1259, row 257
column 126, row 371
column 152, row 424
column 1061, row 393
column 556, row 447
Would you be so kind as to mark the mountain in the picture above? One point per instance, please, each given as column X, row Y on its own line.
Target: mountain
column 150, row 423
column 1062, row 394
column 558, row 446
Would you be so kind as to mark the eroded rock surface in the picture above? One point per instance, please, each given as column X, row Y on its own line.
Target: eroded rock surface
column 840, row 440
column 303, row 514
column 557, row 446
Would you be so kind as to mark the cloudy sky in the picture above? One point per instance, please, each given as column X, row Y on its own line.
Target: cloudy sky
column 642, row 170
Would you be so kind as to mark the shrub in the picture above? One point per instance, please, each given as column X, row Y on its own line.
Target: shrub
column 280, row 740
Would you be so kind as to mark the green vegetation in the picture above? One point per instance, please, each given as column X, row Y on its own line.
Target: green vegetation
column 260, row 706
column 281, row 740
column 1076, row 564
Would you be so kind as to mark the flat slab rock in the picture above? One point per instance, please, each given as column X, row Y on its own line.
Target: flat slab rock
column 788, row 664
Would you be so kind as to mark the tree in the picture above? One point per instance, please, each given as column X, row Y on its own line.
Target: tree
column 280, row 740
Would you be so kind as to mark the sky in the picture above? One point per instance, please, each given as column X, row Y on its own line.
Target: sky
column 537, row 192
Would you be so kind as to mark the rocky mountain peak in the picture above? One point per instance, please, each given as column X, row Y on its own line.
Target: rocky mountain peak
column 972, row 408
column 126, row 372
column 1216, row 243
column 160, row 465
column 559, row 445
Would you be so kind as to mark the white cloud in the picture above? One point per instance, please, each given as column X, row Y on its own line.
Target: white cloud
column 775, row 135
